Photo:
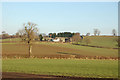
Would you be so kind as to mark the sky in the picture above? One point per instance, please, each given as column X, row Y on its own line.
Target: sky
column 82, row 17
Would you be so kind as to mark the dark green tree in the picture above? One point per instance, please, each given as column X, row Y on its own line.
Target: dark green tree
column 65, row 34
column 40, row 37
column 53, row 35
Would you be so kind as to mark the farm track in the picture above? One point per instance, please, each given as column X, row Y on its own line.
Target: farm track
column 23, row 76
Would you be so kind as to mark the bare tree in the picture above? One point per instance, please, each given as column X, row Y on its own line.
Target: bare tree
column 99, row 32
column 3, row 32
column 21, row 33
column 95, row 32
column 87, row 40
column 28, row 33
column 114, row 32
column 5, row 35
column 17, row 34
column 88, row 34
column 76, row 38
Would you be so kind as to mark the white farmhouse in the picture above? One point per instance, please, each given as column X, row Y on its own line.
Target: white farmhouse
column 56, row 40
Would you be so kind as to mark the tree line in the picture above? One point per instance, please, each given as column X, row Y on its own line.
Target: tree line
column 20, row 33
column 61, row 34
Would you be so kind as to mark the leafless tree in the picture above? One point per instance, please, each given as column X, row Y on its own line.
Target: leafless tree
column 28, row 33
column 95, row 32
column 88, row 34
column 17, row 34
column 3, row 32
column 99, row 32
column 87, row 40
column 114, row 32
column 21, row 32
column 76, row 38
column 5, row 35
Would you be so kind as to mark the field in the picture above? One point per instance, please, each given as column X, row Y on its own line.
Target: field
column 16, row 48
column 64, row 59
column 103, row 41
column 63, row 67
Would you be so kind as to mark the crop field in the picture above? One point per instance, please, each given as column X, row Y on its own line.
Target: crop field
column 62, row 59
column 63, row 67
column 48, row 49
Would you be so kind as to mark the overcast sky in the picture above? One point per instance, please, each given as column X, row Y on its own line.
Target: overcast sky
column 80, row 17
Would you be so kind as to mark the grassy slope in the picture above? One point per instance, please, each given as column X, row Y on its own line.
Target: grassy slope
column 107, row 41
column 81, row 68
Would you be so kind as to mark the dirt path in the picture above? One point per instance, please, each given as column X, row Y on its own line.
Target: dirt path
column 23, row 76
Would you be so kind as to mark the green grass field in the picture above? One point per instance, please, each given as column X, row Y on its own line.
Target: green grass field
column 63, row 67
column 103, row 41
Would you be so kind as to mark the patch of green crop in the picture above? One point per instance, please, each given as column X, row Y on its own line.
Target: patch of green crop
column 11, row 39
column 65, row 67
column 103, row 41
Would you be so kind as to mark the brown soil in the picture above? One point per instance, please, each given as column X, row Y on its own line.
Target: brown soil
column 42, row 51
column 23, row 76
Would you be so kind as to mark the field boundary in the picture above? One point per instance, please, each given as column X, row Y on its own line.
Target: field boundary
column 86, row 58
column 25, row 76
column 96, row 46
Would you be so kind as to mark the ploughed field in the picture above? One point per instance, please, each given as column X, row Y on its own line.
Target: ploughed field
column 57, row 50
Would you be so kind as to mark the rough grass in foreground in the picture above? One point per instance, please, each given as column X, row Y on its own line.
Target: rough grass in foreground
column 63, row 67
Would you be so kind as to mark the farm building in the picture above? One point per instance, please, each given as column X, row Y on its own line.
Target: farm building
column 62, row 39
column 46, row 38
column 57, row 39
